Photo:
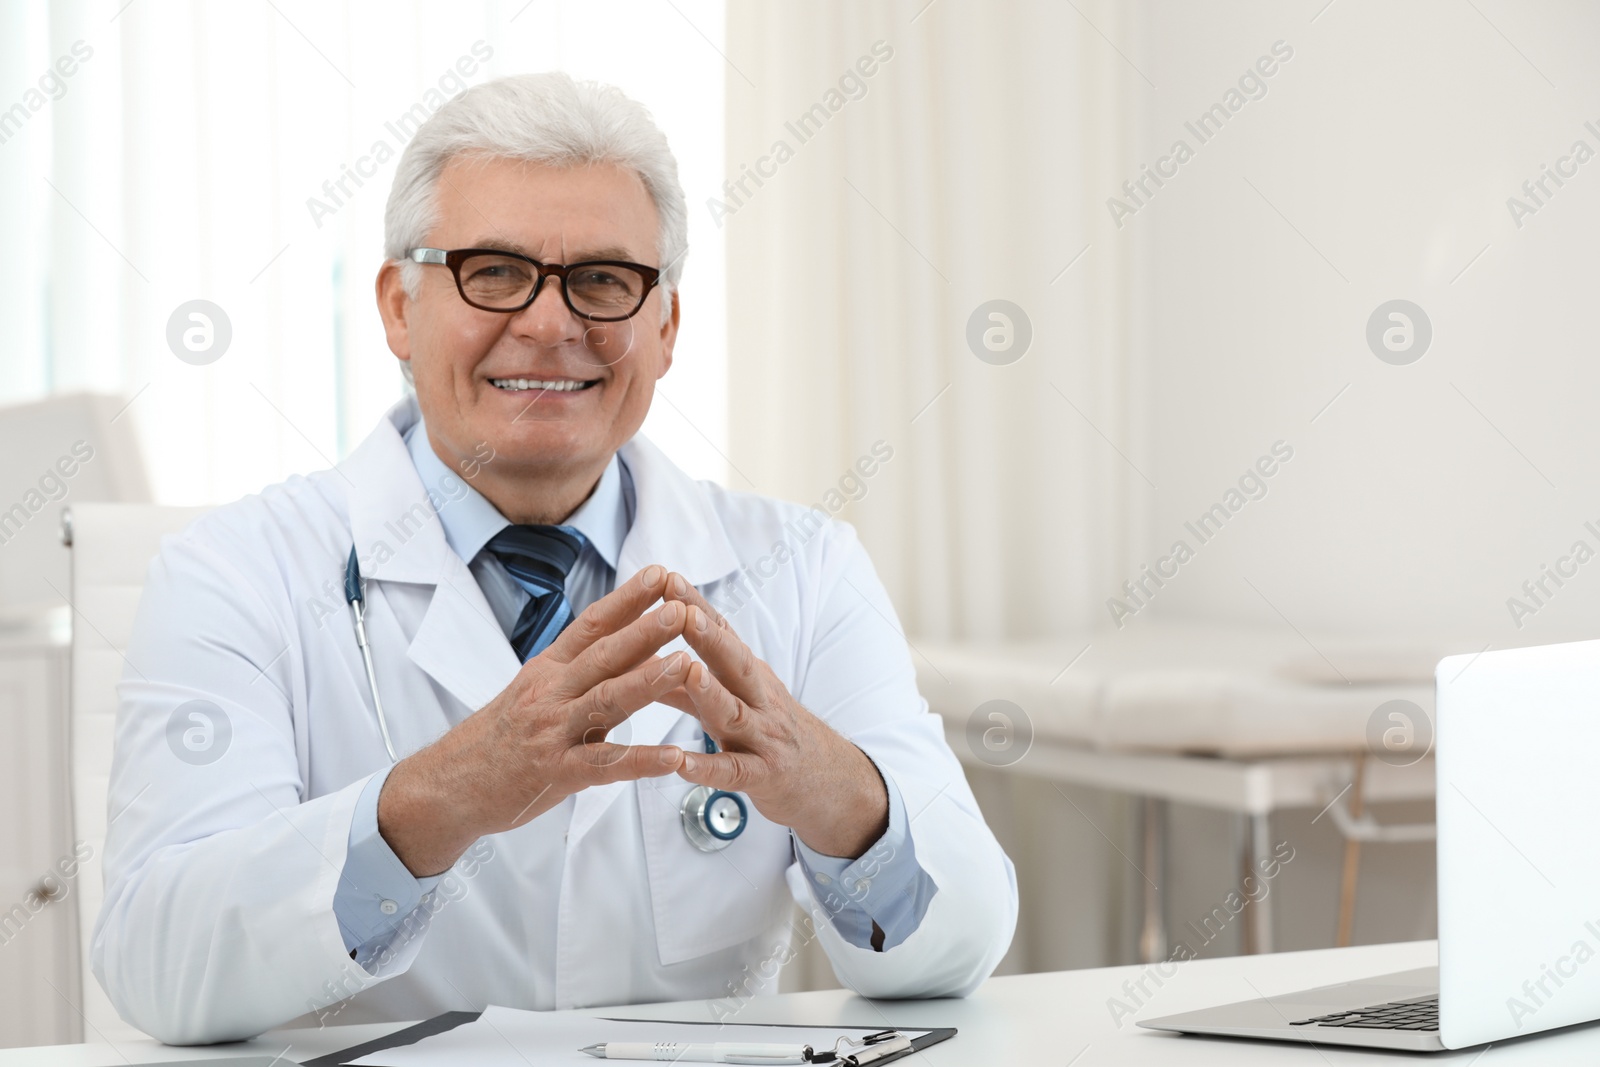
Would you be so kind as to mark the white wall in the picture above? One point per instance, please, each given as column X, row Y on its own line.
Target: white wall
column 1377, row 166
column 1423, row 498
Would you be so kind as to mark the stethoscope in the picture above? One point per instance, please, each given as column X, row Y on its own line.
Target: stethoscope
column 358, row 609
column 712, row 818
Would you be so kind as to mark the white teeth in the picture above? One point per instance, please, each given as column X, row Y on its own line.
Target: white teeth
column 517, row 384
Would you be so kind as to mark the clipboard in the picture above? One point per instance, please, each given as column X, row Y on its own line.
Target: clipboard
column 451, row 1019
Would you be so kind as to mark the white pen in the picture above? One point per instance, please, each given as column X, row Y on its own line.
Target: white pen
column 700, row 1052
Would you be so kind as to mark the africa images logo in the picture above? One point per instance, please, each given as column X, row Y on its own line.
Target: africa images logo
column 199, row 732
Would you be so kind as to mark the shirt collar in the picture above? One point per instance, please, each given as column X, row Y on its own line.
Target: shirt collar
column 470, row 520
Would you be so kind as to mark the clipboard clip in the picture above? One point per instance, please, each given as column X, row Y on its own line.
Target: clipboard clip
column 849, row 1052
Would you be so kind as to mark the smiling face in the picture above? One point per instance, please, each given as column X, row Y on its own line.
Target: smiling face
column 552, row 394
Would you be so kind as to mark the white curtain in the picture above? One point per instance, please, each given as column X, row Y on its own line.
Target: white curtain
column 970, row 166
column 967, row 171
column 242, row 154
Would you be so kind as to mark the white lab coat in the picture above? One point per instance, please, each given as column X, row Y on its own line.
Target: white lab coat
column 218, row 920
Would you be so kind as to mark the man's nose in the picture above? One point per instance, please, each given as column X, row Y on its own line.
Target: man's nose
column 548, row 321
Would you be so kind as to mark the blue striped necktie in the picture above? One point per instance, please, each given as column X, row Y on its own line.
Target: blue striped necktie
column 538, row 558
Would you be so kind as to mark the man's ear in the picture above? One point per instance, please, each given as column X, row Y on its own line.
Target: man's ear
column 393, row 306
column 669, row 336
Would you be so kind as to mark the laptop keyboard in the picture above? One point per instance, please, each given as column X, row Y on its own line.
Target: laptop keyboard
column 1419, row 1014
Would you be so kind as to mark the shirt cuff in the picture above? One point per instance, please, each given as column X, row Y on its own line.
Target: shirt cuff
column 376, row 892
column 884, row 886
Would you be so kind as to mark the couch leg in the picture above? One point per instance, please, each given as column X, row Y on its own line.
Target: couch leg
column 1256, row 846
column 1152, row 813
column 1352, row 860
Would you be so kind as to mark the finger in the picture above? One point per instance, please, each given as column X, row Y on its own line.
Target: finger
column 729, row 658
column 624, row 650
column 606, row 762
column 679, row 699
column 609, row 614
column 597, row 712
column 679, row 588
column 724, row 716
column 737, row 772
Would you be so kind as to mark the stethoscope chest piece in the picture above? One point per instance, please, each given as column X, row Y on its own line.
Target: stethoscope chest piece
column 712, row 818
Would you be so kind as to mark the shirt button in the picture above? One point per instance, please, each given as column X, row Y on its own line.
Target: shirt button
column 821, row 878
column 863, row 884
column 388, row 907
column 427, row 897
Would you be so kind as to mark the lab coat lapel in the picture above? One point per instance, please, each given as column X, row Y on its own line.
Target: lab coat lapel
column 399, row 538
column 460, row 644
column 675, row 525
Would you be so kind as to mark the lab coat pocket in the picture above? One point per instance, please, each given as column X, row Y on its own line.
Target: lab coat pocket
column 706, row 901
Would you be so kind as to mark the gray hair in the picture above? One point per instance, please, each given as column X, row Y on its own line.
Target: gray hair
column 541, row 118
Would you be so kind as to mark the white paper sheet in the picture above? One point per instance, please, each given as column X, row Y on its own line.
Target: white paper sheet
column 508, row 1037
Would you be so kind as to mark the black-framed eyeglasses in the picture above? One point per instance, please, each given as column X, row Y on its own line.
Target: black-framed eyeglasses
column 599, row 290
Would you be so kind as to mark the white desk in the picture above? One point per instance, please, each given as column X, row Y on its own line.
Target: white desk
column 1034, row 1020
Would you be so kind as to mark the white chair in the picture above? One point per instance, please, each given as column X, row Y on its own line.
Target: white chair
column 112, row 545
column 42, row 468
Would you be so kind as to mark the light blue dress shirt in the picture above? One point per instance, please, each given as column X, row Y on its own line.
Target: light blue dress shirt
column 884, row 887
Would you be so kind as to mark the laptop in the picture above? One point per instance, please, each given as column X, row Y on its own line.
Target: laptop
column 1518, row 806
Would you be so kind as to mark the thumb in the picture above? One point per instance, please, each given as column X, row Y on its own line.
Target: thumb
column 626, row 763
column 733, row 771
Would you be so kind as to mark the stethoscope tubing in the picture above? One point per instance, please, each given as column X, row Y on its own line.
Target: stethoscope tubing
column 357, row 598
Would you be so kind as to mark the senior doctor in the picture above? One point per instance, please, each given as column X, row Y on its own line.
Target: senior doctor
column 538, row 586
